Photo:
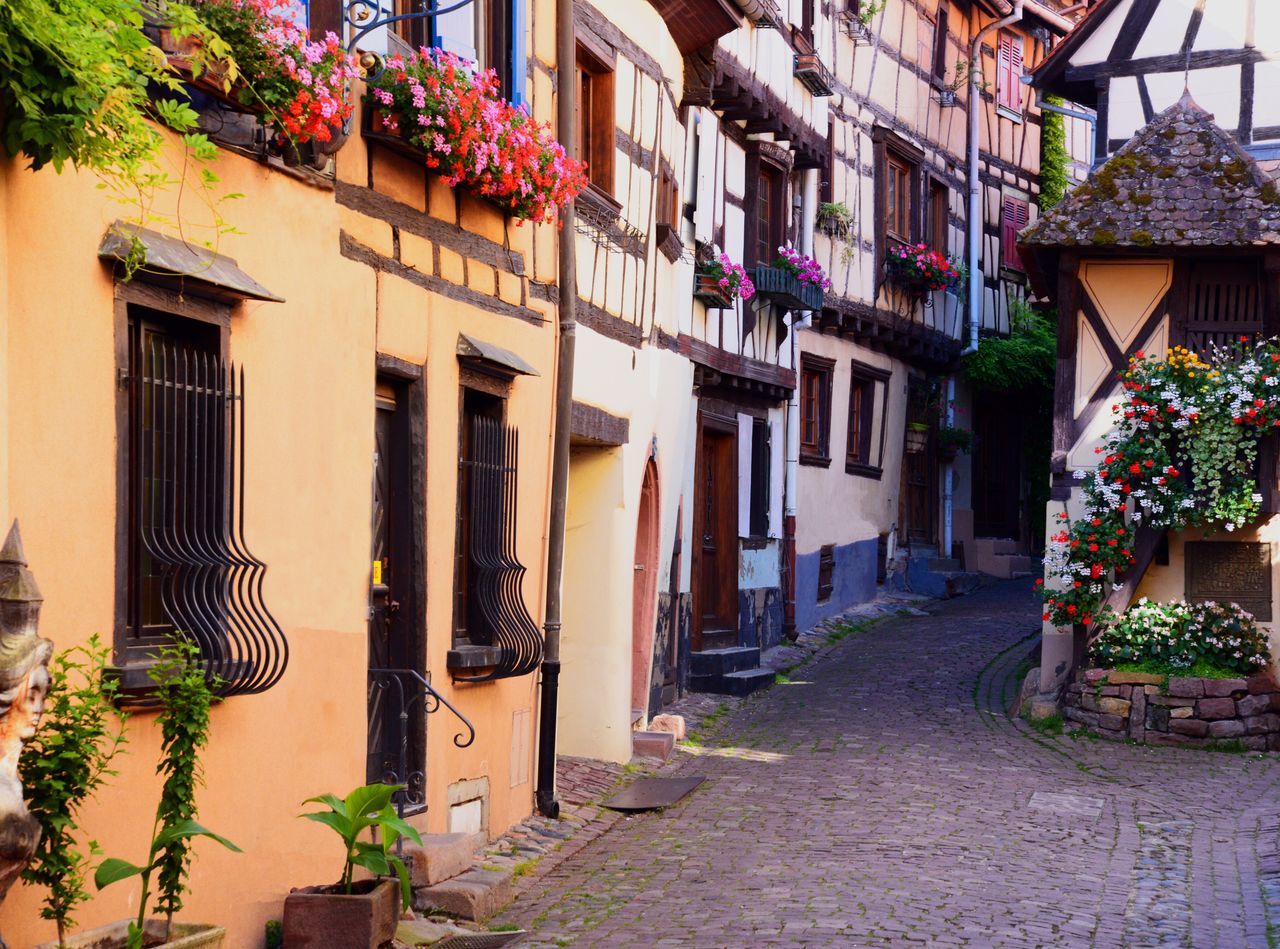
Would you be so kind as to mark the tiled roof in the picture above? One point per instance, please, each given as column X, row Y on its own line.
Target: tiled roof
column 1180, row 181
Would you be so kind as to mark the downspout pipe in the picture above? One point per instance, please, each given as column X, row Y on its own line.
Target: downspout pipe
column 974, row 221
column 1090, row 117
column 566, row 313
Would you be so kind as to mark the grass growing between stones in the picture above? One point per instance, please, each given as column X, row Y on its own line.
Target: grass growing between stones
column 845, row 630
column 1201, row 670
column 1050, row 726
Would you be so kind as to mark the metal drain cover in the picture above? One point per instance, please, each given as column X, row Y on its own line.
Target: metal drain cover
column 648, row 794
column 479, row 940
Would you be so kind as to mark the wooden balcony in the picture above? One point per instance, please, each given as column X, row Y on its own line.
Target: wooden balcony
column 786, row 289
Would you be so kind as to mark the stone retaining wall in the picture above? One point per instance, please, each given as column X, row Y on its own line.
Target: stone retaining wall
column 1150, row 709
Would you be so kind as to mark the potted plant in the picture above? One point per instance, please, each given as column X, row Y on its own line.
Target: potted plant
column 919, row 270
column 952, row 441
column 68, row 759
column 454, row 116
column 834, row 217
column 917, row 437
column 719, row 282
column 354, row 913
column 185, row 695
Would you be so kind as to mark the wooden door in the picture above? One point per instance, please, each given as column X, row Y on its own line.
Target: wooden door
column 997, row 468
column 918, row 493
column 644, row 591
column 715, row 566
column 396, row 751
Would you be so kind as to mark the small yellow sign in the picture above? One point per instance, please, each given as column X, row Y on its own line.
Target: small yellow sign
column 377, row 571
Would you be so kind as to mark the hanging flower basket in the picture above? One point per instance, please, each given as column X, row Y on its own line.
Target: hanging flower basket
column 917, row 270
column 917, row 437
column 706, row 289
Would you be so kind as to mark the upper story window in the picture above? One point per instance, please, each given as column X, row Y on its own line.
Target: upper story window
column 816, row 375
column 898, row 198
column 864, row 444
column 940, row 44
column 594, row 133
column 1014, row 215
column 937, row 214
column 1009, row 74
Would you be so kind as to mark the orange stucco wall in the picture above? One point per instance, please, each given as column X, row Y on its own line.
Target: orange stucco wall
column 311, row 372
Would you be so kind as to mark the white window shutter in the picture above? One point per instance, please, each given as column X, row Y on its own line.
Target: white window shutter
column 777, row 442
column 745, row 424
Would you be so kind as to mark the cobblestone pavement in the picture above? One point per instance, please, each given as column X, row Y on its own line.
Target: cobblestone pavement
column 882, row 797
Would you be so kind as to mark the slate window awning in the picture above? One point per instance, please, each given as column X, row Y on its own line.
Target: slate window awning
column 171, row 260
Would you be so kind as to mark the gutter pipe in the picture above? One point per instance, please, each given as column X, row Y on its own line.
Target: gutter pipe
column 566, row 313
column 974, row 221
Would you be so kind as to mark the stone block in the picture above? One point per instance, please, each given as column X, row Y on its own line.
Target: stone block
column 1090, row 702
column 1230, row 728
column 671, row 723
column 477, row 894
column 1253, row 704
column 1264, row 724
column 1153, row 689
column 1094, row 676
column 1216, row 708
column 1181, row 712
column 1135, row 678
column 441, row 857
column 1075, row 688
column 1113, row 722
column 1138, row 709
column 1189, row 726
column 652, row 744
column 1114, row 691
column 1256, row 742
column 1261, row 683
column 1081, row 717
column 1186, row 688
column 1172, row 739
column 1158, row 719
column 1273, row 741
column 1168, row 701
column 1114, row 706
column 1219, row 687
column 1043, row 707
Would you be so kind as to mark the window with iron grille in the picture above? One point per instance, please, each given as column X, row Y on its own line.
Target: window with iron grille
column 489, row 610
column 184, row 566
column 815, row 409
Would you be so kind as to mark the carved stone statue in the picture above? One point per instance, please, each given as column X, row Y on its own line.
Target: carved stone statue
column 24, row 682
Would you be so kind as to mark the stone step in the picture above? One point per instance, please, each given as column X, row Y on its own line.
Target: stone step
column 992, row 546
column 723, row 661
column 652, row 744
column 943, row 564
column 1007, row 566
column 476, row 894
column 441, row 857
column 742, row 682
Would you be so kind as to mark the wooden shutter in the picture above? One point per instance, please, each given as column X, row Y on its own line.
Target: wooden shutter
column 1013, row 218
column 1009, row 72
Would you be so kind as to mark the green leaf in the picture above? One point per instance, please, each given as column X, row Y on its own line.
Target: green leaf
column 337, row 822
column 391, row 821
column 370, row 799
column 189, row 828
column 113, row 870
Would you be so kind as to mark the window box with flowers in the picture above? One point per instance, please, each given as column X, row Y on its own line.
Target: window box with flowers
column 794, row 282
column 437, row 107
column 952, row 441
column 918, row 270
column 263, row 62
column 719, row 283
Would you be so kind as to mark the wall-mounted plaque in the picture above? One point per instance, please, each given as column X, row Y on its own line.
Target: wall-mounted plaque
column 1230, row 572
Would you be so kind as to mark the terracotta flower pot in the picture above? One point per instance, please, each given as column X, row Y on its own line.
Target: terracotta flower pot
column 322, row 917
column 386, row 121
column 114, row 935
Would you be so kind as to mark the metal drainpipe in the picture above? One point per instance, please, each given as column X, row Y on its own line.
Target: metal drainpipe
column 566, row 311
column 791, row 486
column 975, row 186
column 1090, row 117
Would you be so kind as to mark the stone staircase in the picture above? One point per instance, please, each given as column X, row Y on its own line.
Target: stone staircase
column 734, row 670
column 998, row 557
column 935, row 576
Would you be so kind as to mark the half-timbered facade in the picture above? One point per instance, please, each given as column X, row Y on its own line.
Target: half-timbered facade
column 880, row 354
column 1152, row 253
column 1132, row 59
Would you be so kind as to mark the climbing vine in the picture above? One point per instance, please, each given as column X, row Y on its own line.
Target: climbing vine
column 1181, row 454
column 1053, row 156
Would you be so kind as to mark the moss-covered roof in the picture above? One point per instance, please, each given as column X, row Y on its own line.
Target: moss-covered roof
column 1180, row 181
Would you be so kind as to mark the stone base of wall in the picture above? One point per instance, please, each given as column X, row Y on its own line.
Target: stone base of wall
column 1152, row 710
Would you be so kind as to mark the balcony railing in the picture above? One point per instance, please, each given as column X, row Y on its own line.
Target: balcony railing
column 814, row 74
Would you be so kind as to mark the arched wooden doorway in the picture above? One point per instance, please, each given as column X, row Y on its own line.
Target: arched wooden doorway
column 645, row 588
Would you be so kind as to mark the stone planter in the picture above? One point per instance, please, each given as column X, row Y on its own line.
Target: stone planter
column 1148, row 709
column 317, row 917
column 917, row 437
column 114, row 935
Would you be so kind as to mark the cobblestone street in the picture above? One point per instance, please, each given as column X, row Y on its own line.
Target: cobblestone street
column 882, row 797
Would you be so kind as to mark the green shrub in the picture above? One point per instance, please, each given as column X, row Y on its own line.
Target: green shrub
column 1179, row 636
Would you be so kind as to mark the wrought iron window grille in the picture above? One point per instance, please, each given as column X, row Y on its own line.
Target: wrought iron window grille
column 853, row 27
column 399, row 701
column 188, row 481
column 497, row 575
